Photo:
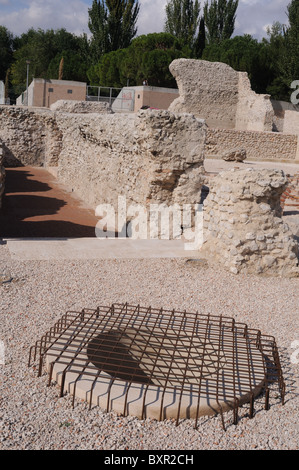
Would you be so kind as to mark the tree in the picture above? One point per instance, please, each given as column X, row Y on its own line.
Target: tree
column 182, row 20
column 220, row 17
column 200, row 43
column 292, row 42
column 244, row 54
column 112, row 24
column 276, row 47
column 6, row 51
column 45, row 49
column 283, row 44
column 149, row 56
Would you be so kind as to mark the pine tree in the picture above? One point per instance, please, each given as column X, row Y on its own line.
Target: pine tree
column 182, row 20
column 220, row 17
column 112, row 24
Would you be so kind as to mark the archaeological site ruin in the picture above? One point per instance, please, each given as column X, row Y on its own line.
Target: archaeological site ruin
column 158, row 157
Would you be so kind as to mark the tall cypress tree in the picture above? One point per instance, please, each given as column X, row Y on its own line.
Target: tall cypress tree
column 220, row 17
column 200, row 42
column 182, row 20
column 292, row 41
column 112, row 24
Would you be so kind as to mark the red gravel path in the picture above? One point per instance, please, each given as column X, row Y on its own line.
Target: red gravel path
column 36, row 205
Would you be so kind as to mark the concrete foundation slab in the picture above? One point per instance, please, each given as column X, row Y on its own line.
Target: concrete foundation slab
column 92, row 248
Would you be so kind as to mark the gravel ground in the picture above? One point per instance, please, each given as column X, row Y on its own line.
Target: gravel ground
column 33, row 417
column 37, row 293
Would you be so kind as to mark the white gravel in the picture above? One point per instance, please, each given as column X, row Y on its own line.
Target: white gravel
column 33, row 417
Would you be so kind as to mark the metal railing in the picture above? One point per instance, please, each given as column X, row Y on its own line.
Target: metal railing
column 124, row 100
column 183, row 357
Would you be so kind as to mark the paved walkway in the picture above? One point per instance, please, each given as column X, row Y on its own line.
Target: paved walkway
column 36, row 205
column 42, row 220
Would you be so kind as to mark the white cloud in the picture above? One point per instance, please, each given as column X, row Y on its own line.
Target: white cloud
column 47, row 14
column 254, row 16
column 152, row 16
column 19, row 16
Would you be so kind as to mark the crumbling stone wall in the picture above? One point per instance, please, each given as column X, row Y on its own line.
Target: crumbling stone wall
column 29, row 136
column 149, row 157
column 81, row 107
column 2, row 175
column 208, row 90
column 258, row 145
column 243, row 228
column 223, row 97
column 254, row 112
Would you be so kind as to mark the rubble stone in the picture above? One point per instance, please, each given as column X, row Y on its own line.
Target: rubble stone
column 81, row 107
column 222, row 96
column 260, row 242
column 149, row 157
column 237, row 155
column 30, row 136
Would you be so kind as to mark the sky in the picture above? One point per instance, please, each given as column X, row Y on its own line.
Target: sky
column 253, row 16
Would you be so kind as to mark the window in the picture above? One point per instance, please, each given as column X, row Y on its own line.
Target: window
column 51, row 90
column 70, row 92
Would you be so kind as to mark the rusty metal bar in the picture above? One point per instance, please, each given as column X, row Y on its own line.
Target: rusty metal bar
column 120, row 337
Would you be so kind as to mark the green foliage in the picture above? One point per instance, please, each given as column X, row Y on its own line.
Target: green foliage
column 44, row 50
column 291, row 56
column 112, row 24
column 74, row 67
column 149, row 56
column 6, row 51
column 220, row 17
column 200, row 42
column 182, row 20
column 244, row 54
column 114, row 58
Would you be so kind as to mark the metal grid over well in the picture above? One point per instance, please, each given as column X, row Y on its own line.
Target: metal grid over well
column 158, row 363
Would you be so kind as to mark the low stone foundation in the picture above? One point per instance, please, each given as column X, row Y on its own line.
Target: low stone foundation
column 261, row 146
column 81, row 107
column 243, row 228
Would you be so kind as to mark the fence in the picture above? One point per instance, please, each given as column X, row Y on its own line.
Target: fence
column 113, row 96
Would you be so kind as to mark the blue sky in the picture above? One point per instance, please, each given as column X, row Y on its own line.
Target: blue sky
column 18, row 16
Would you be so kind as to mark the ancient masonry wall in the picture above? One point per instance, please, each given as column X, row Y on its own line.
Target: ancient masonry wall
column 81, row 107
column 149, row 157
column 29, row 136
column 243, row 229
column 258, row 145
column 2, row 175
column 222, row 96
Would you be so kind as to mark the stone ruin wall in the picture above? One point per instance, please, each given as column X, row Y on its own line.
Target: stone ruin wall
column 243, row 229
column 236, row 116
column 149, row 157
column 2, row 175
column 81, row 107
column 214, row 91
column 262, row 146
column 30, row 136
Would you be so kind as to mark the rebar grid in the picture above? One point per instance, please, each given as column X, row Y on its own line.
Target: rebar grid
column 186, row 353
